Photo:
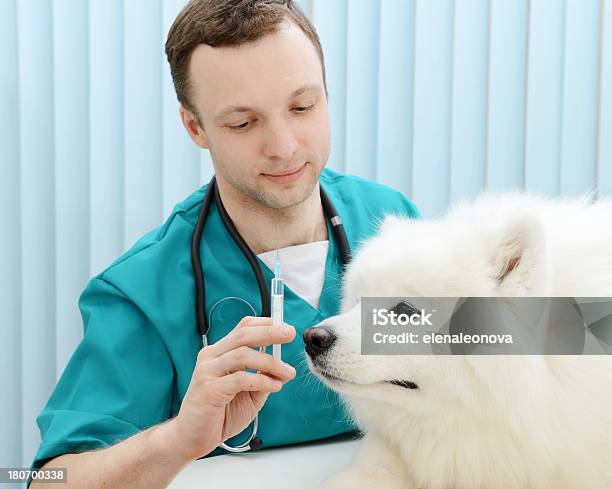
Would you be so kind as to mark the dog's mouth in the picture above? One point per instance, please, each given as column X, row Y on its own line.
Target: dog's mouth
column 333, row 378
column 406, row 384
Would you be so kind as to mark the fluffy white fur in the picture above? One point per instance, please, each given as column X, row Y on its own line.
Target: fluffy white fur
column 481, row 422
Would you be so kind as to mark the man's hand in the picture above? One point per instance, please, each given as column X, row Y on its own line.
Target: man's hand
column 222, row 398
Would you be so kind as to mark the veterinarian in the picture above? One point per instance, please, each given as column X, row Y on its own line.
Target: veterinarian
column 140, row 386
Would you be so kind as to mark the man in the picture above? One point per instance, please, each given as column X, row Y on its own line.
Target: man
column 250, row 79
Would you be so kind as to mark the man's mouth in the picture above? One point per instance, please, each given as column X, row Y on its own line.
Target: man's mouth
column 287, row 176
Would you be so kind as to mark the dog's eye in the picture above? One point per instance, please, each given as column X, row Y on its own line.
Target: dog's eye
column 404, row 307
column 404, row 383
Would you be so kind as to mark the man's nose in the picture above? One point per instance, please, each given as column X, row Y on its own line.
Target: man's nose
column 280, row 142
column 318, row 340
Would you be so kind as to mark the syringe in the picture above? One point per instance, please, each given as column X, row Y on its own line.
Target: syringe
column 277, row 292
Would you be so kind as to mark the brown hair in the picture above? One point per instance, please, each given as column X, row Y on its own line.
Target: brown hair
column 227, row 23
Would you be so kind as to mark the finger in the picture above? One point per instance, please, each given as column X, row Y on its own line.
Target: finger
column 242, row 381
column 249, row 321
column 210, row 351
column 254, row 336
column 243, row 358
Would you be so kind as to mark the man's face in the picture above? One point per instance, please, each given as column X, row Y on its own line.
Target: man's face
column 264, row 114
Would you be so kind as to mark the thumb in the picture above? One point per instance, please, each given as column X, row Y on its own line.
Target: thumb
column 259, row 399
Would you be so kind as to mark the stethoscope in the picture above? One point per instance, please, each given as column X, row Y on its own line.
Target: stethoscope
column 212, row 193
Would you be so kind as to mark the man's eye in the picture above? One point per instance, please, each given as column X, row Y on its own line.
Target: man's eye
column 240, row 127
column 304, row 109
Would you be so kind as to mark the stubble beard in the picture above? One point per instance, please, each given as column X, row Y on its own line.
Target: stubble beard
column 278, row 200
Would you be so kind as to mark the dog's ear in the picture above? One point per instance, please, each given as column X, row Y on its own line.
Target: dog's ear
column 519, row 258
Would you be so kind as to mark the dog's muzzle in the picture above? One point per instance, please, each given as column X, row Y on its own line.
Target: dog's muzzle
column 318, row 340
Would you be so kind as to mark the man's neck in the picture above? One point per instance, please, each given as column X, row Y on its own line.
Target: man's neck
column 258, row 223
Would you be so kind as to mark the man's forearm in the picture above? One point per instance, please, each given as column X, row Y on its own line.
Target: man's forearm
column 146, row 460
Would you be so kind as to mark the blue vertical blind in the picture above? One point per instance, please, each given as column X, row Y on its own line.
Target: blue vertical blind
column 440, row 99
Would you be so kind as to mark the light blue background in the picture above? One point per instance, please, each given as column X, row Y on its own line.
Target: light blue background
column 439, row 99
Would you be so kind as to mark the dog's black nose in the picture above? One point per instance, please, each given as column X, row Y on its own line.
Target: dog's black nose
column 318, row 339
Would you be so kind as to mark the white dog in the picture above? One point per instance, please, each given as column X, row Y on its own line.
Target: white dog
column 476, row 422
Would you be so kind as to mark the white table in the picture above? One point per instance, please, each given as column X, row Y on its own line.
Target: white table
column 303, row 466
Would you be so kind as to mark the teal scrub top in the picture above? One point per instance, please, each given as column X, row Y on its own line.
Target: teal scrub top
column 133, row 366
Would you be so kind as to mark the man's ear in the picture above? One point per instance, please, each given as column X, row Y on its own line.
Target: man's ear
column 194, row 129
column 518, row 256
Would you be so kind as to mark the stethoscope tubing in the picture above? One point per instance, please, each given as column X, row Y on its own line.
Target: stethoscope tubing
column 212, row 194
